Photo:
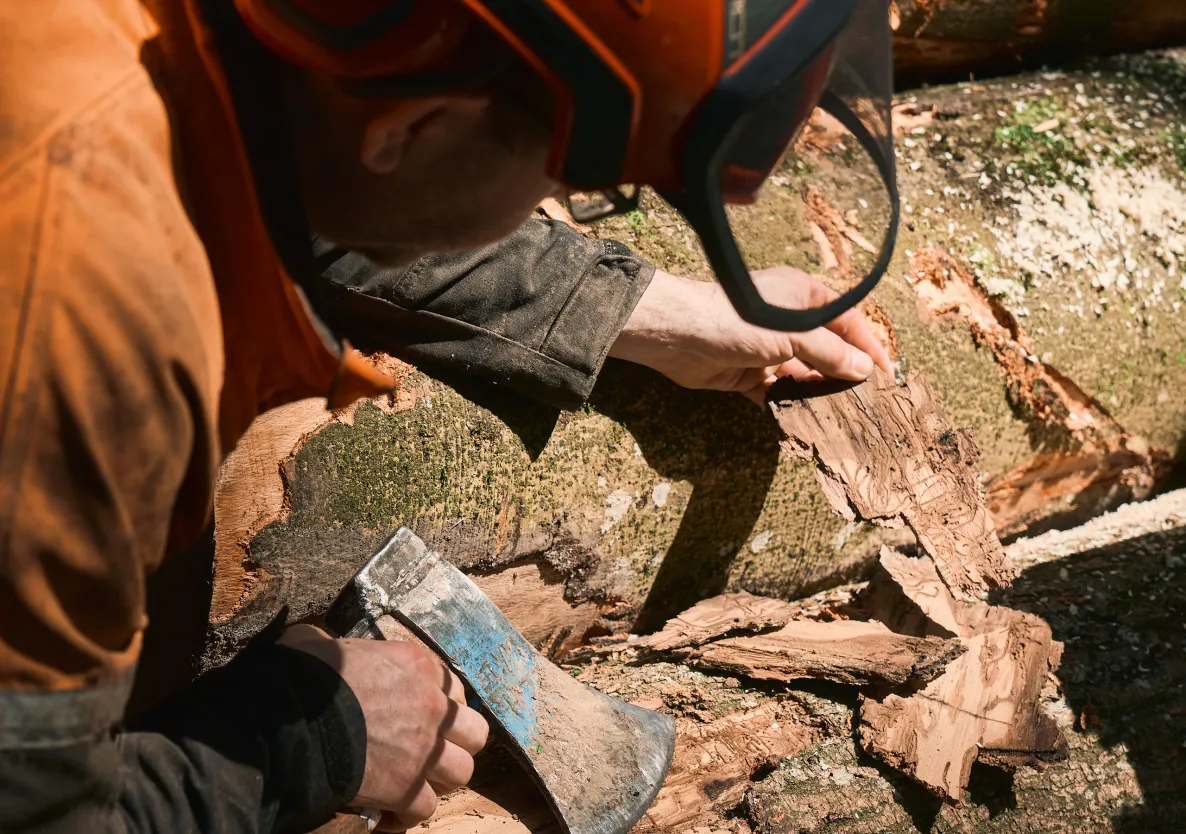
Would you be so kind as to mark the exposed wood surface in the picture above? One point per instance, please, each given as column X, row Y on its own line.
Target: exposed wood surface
column 845, row 651
column 985, row 706
column 531, row 594
column 905, row 597
column 886, row 454
column 250, row 495
column 1110, row 458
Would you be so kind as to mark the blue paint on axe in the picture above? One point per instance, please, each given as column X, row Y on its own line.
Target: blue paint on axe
column 600, row 762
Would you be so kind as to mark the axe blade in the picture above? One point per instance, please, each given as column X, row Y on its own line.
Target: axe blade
column 600, row 762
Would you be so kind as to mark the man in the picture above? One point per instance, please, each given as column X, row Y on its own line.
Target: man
column 163, row 167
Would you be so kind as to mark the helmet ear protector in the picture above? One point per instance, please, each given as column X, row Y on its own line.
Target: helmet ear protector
column 700, row 101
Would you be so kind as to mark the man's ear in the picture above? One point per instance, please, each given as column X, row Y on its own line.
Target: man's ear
column 389, row 137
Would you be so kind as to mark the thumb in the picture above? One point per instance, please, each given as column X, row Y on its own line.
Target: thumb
column 832, row 356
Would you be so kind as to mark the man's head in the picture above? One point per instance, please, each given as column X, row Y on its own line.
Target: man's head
column 396, row 179
column 699, row 100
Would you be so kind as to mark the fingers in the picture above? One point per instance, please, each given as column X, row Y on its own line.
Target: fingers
column 451, row 769
column 453, row 687
column 832, row 356
column 466, row 728
column 853, row 327
column 797, row 370
column 302, row 632
column 419, row 806
column 389, row 824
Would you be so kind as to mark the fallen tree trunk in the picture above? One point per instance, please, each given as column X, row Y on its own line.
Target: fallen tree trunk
column 653, row 498
column 941, row 38
column 783, row 759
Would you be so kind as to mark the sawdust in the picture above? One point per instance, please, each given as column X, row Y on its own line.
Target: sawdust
column 1084, row 232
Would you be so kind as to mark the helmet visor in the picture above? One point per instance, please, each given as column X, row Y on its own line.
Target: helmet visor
column 850, row 79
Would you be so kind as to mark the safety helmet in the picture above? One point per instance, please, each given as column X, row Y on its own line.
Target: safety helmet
column 699, row 99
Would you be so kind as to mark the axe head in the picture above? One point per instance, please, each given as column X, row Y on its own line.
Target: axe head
column 599, row 761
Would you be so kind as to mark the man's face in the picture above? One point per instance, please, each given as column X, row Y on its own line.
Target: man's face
column 398, row 180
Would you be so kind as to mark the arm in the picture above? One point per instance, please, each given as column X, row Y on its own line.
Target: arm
column 110, row 372
column 540, row 312
column 537, row 312
column 275, row 741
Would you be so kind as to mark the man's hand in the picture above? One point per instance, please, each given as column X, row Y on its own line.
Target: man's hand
column 421, row 737
column 688, row 331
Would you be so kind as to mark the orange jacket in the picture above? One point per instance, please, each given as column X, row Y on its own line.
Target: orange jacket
column 145, row 320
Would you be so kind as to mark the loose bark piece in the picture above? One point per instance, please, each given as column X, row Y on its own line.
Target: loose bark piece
column 715, row 764
column 908, row 596
column 887, row 454
column 717, row 617
column 845, row 651
column 985, row 704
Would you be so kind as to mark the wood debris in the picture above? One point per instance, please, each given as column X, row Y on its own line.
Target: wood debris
column 986, row 704
column 887, row 454
column 845, row 651
column 834, row 236
column 717, row 617
column 715, row 760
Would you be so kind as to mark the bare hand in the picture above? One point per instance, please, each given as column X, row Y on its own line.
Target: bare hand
column 421, row 737
column 688, row 331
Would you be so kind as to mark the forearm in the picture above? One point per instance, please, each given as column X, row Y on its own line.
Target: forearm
column 273, row 742
column 537, row 312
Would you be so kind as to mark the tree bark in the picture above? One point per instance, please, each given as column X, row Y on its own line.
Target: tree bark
column 1053, row 208
column 942, row 38
column 784, row 758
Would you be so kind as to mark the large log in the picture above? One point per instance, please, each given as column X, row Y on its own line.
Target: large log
column 783, row 759
column 1054, row 198
column 942, row 38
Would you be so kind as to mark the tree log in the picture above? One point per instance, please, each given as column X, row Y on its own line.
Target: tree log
column 624, row 514
column 941, row 38
column 782, row 759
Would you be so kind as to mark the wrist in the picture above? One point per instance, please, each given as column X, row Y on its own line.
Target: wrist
column 657, row 330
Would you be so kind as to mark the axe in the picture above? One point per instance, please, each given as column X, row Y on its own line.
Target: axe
column 599, row 761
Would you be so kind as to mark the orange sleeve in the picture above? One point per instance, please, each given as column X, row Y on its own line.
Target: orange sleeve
column 110, row 361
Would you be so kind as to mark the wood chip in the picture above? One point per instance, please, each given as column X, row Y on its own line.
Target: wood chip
column 719, row 616
column 845, row 651
column 984, row 706
column 886, row 453
column 709, row 775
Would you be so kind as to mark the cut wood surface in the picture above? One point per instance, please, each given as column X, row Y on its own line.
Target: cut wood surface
column 886, row 454
column 845, row 651
column 985, row 706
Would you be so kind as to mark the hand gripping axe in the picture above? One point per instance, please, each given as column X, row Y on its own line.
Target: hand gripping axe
column 599, row 761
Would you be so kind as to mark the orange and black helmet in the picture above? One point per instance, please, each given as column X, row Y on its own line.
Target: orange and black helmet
column 699, row 99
